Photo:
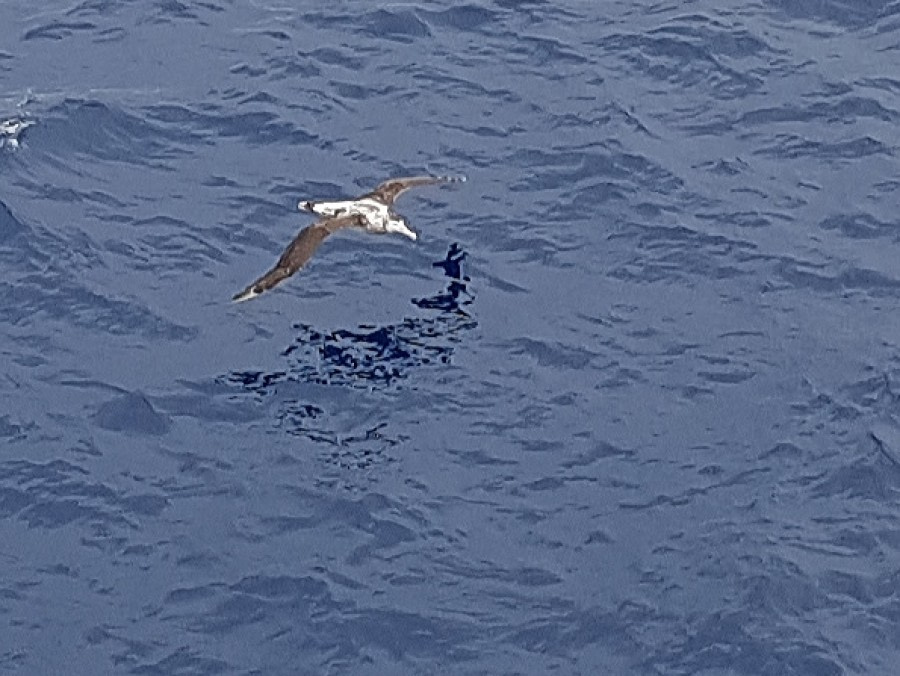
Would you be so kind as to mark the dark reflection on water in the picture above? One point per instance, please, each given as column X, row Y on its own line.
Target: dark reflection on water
column 377, row 356
column 457, row 295
column 365, row 359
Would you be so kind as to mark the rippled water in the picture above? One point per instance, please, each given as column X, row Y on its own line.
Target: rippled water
column 629, row 406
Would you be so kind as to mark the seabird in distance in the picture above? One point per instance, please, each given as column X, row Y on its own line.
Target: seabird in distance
column 372, row 212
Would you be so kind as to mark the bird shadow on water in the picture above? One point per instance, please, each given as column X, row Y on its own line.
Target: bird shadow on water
column 379, row 356
column 324, row 366
column 376, row 356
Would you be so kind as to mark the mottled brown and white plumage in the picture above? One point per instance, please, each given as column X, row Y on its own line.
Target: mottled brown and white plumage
column 372, row 212
column 391, row 189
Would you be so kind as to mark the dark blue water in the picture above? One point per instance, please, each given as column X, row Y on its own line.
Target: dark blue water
column 630, row 405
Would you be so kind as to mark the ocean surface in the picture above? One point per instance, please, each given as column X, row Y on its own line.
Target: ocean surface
column 630, row 404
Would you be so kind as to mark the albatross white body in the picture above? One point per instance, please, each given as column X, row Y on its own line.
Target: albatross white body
column 378, row 215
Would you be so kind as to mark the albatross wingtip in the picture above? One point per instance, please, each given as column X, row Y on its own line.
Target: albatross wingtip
column 244, row 295
column 459, row 178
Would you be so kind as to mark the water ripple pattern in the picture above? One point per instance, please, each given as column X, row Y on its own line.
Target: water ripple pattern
column 630, row 405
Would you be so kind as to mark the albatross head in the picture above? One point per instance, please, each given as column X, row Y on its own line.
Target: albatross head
column 321, row 208
column 400, row 226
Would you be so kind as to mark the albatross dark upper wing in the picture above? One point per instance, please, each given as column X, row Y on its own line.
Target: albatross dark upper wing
column 391, row 189
column 297, row 254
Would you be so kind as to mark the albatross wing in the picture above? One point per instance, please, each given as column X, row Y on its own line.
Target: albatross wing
column 298, row 253
column 391, row 189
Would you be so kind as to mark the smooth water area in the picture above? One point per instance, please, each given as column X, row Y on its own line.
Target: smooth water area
column 630, row 404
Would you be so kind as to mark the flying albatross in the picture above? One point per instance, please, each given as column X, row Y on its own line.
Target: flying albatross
column 372, row 212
